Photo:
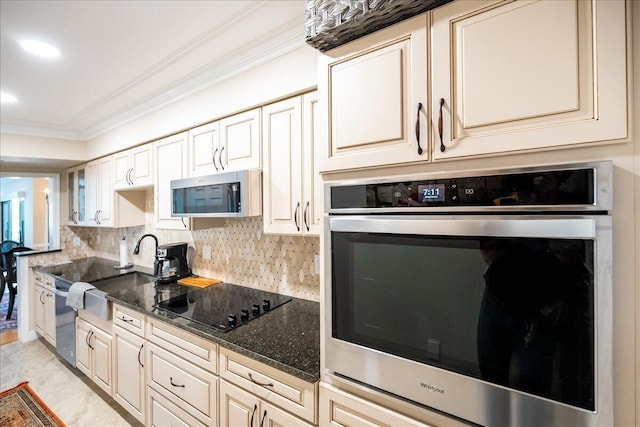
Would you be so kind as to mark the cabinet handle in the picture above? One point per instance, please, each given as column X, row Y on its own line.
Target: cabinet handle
column 305, row 215
column 418, row 128
column 73, row 217
column 263, row 417
column 174, row 384
column 124, row 319
column 129, row 175
column 41, row 295
column 259, row 383
column 140, row 351
column 89, row 335
column 255, row 407
column 295, row 216
column 183, row 223
column 214, row 159
column 442, row 147
column 220, row 158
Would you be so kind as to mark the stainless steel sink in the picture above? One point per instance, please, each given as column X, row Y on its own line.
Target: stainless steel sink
column 95, row 300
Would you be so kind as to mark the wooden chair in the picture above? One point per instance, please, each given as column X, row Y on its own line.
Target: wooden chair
column 11, row 277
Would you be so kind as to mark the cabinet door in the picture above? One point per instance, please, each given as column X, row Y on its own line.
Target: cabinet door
column 105, row 216
column 373, row 88
column 92, row 179
column 141, row 159
column 282, row 167
column 238, row 408
column 204, row 150
column 311, row 179
column 129, row 375
column 528, row 75
column 101, row 361
column 50, row 316
column 240, row 141
column 83, row 351
column 39, row 296
column 170, row 157
column 162, row 412
column 76, row 182
column 121, row 170
column 272, row 416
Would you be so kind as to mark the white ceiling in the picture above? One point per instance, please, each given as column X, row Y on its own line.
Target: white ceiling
column 120, row 59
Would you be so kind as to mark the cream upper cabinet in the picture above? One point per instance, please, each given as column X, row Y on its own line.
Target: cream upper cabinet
column 527, row 75
column 376, row 100
column 76, row 185
column 170, row 155
column 240, row 142
column 100, row 197
column 204, row 150
column 291, row 183
column 133, row 168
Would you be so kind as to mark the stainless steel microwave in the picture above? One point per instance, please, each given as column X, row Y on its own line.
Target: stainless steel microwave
column 229, row 194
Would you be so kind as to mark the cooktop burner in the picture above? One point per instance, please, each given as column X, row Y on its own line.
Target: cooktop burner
column 224, row 306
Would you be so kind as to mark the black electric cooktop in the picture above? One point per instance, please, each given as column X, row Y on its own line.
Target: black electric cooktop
column 224, row 306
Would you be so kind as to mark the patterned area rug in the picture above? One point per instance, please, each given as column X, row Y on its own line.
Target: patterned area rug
column 21, row 407
column 4, row 306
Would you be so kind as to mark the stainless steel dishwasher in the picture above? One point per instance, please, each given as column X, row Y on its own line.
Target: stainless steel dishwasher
column 65, row 323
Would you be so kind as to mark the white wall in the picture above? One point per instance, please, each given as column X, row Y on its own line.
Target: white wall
column 41, row 148
column 289, row 74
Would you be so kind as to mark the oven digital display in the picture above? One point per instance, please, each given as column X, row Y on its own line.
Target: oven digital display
column 431, row 193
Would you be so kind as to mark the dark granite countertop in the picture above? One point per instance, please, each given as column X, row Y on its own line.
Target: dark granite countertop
column 287, row 338
column 37, row 252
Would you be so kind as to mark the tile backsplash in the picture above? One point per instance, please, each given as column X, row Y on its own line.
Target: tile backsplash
column 240, row 252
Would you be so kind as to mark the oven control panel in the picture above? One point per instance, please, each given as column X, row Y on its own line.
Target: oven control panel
column 542, row 188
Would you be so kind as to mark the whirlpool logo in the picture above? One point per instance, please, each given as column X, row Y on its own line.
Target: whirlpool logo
column 432, row 388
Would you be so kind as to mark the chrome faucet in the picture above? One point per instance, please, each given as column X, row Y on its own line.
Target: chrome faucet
column 156, row 263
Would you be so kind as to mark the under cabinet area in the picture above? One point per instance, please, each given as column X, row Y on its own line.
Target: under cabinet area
column 527, row 75
column 291, row 184
column 374, row 92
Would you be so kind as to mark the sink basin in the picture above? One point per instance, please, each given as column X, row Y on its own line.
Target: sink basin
column 95, row 300
column 124, row 281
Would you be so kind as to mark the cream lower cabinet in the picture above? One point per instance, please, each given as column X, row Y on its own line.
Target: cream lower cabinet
column 239, row 408
column 129, row 380
column 527, row 75
column 292, row 184
column 339, row 408
column 181, row 378
column 374, row 96
column 93, row 354
column 45, row 307
column 286, row 399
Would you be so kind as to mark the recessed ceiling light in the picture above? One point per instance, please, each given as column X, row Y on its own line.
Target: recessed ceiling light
column 38, row 48
column 7, row 98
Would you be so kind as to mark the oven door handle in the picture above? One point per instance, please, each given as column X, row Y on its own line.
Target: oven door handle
column 60, row 292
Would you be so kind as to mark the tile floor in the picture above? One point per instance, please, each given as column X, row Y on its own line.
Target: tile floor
column 68, row 392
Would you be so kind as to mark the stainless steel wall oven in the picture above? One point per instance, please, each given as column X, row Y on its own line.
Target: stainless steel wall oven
column 484, row 294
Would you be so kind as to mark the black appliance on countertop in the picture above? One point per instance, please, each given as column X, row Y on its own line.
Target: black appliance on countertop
column 172, row 259
column 224, row 306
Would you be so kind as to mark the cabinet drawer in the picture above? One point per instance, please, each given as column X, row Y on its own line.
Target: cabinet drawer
column 338, row 408
column 164, row 413
column 196, row 350
column 175, row 377
column 130, row 320
column 288, row 392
